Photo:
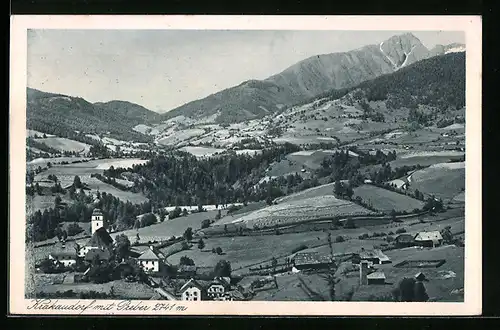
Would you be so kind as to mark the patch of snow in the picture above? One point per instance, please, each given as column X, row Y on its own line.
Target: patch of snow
column 406, row 58
column 390, row 59
column 455, row 50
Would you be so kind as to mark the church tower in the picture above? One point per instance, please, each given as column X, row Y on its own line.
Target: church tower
column 97, row 220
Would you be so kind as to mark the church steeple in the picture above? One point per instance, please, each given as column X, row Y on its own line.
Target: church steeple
column 97, row 220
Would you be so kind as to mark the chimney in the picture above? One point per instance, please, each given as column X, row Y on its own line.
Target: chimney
column 363, row 272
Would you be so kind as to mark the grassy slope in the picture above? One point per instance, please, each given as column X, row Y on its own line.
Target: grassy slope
column 386, row 200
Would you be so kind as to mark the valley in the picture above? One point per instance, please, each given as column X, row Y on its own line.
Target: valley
column 256, row 175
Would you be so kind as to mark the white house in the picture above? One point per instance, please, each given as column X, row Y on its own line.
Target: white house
column 149, row 261
column 218, row 288
column 192, row 291
column 67, row 258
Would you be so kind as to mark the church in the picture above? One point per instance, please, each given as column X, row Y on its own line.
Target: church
column 100, row 240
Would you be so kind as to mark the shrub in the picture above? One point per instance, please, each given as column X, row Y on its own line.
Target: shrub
column 218, row 250
column 232, row 208
column 364, row 236
column 74, row 229
column 223, row 268
column 201, row 244
column 400, row 231
column 205, row 223
column 339, row 239
column 185, row 260
column 148, row 220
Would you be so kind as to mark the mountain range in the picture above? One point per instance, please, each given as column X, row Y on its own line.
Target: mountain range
column 62, row 115
column 310, row 77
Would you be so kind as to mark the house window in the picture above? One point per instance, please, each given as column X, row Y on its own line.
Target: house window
column 195, row 298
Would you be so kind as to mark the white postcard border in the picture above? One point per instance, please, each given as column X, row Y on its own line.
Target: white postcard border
column 471, row 25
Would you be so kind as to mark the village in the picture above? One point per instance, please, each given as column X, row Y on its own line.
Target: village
column 103, row 259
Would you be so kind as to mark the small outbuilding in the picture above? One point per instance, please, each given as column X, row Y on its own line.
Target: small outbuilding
column 311, row 260
column 404, row 240
column 374, row 256
column 429, row 238
column 376, row 278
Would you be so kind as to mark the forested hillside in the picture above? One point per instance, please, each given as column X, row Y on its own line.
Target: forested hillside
column 438, row 81
column 62, row 115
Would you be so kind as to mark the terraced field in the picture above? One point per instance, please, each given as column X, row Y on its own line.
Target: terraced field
column 301, row 210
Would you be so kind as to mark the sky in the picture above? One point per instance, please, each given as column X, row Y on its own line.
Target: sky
column 164, row 69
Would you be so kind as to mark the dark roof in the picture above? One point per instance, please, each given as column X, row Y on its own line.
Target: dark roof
column 374, row 254
column 224, row 281
column 97, row 212
column 102, row 254
column 202, row 285
column 311, row 258
column 404, row 238
column 420, row 276
column 148, row 255
column 101, row 239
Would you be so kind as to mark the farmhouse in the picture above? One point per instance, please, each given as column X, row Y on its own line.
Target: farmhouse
column 404, row 240
column 149, row 261
column 98, row 254
column 218, row 288
column 428, row 238
column 67, row 258
column 311, row 260
column 193, row 290
column 375, row 256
